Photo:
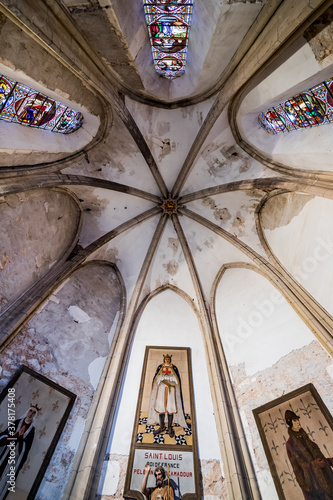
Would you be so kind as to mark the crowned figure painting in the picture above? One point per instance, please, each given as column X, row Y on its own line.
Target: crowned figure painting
column 166, row 400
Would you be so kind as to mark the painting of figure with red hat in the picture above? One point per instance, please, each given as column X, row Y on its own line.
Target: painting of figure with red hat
column 312, row 469
column 296, row 430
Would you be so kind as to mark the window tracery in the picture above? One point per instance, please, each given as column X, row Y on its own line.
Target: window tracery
column 310, row 108
column 168, row 24
column 24, row 105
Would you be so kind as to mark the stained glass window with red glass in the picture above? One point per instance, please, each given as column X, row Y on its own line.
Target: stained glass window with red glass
column 308, row 109
column 168, row 24
column 21, row 104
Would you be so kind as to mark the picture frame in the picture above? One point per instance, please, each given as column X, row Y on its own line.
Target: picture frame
column 178, row 454
column 285, row 448
column 26, row 448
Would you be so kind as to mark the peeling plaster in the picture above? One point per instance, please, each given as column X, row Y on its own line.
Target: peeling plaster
column 173, row 243
column 104, row 210
column 281, row 209
column 172, row 267
column 235, row 212
column 111, row 475
column 209, row 258
column 221, row 161
column 78, row 315
column 295, row 369
column 23, row 259
column 257, row 325
column 329, row 370
column 169, row 265
column 319, row 36
column 169, row 133
column 117, row 159
column 310, row 233
column 95, row 370
column 75, row 437
column 69, row 353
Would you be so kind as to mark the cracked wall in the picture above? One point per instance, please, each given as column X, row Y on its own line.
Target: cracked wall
column 26, row 218
column 270, row 352
column 68, row 341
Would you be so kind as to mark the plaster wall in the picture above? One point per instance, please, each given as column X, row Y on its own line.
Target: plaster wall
column 169, row 133
column 166, row 321
column 303, row 223
column 128, row 251
column 255, row 321
column 48, row 214
column 104, row 210
column 270, row 352
column 68, row 341
column 210, row 252
column 221, row 160
column 117, row 159
column 169, row 266
column 234, row 212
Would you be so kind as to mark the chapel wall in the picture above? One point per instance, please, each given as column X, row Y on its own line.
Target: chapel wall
column 68, row 341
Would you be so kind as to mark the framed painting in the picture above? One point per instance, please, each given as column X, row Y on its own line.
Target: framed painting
column 33, row 413
column 297, row 434
column 163, row 462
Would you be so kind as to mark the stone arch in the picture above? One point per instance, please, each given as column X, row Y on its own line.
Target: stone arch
column 307, row 266
column 288, row 152
column 46, row 148
column 263, row 364
column 72, row 340
column 118, row 448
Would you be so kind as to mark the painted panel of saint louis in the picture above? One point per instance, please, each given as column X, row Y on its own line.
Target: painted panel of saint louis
column 163, row 462
column 165, row 416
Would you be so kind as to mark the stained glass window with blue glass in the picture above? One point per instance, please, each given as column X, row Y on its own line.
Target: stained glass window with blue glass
column 21, row 104
column 308, row 109
column 168, row 27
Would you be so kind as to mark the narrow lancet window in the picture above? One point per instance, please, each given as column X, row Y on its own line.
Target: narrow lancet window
column 168, row 27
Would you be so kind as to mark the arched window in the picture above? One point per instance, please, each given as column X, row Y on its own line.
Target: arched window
column 24, row 105
column 168, row 24
column 310, row 108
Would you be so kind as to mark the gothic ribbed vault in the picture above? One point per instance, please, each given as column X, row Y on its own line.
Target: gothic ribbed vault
column 170, row 218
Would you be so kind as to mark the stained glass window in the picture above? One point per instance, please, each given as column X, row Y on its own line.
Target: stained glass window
column 308, row 109
column 21, row 104
column 168, row 24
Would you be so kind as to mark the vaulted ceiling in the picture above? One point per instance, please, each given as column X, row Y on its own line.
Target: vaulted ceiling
column 172, row 181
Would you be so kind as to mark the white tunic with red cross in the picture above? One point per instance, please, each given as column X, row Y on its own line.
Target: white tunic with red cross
column 166, row 392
